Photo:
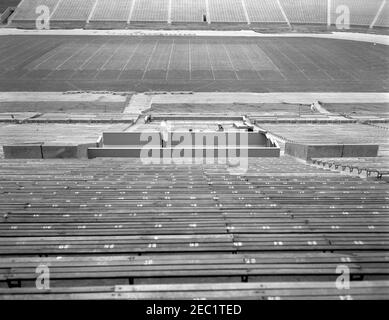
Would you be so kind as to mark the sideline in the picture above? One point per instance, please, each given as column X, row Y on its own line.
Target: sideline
column 362, row 37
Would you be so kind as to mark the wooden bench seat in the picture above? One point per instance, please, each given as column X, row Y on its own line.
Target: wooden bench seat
column 256, row 291
column 241, row 266
column 117, row 222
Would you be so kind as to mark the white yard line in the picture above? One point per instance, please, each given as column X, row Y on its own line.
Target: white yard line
column 210, row 61
column 151, row 57
column 232, row 64
column 129, row 59
column 73, row 55
column 190, row 61
column 169, row 62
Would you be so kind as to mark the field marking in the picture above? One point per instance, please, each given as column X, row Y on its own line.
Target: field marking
column 272, row 62
column 60, row 48
column 129, row 59
column 210, row 61
column 331, row 61
column 307, row 59
column 250, row 61
column 9, row 55
column 5, row 45
column 170, row 59
column 34, row 50
column 87, row 60
column 110, row 58
column 292, row 62
column 190, row 61
column 148, row 62
column 232, row 65
column 70, row 57
column 335, row 57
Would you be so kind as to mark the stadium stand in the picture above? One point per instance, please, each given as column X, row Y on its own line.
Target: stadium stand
column 378, row 166
column 362, row 12
column 330, row 133
column 226, row 11
column 4, row 4
column 188, row 10
column 73, row 10
column 220, row 227
column 26, row 10
column 105, row 11
column 305, row 11
column 264, row 11
column 367, row 290
column 150, row 11
column 383, row 18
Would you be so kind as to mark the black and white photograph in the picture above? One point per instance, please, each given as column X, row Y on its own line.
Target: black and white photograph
column 204, row 151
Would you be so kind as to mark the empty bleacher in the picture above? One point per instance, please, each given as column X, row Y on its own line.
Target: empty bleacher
column 4, row 4
column 264, row 11
column 366, row 290
column 188, row 10
column 106, row 11
column 73, row 10
column 117, row 222
column 362, row 12
column 150, row 11
column 227, row 11
column 331, row 134
column 305, row 11
column 383, row 18
column 376, row 167
column 27, row 9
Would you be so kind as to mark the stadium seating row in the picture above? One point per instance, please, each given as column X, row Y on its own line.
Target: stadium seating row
column 362, row 12
column 118, row 222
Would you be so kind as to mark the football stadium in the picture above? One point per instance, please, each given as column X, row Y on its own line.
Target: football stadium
column 194, row 149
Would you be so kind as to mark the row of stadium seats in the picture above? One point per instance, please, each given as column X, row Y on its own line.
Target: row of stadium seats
column 214, row 11
column 118, row 222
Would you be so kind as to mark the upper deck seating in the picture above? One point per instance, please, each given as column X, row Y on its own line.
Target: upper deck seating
column 4, row 4
column 73, row 10
column 264, row 11
column 107, row 11
column 362, row 12
column 26, row 11
column 305, row 11
column 188, row 10
column 150, row 11
column 226, row 11
column 383, row 19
